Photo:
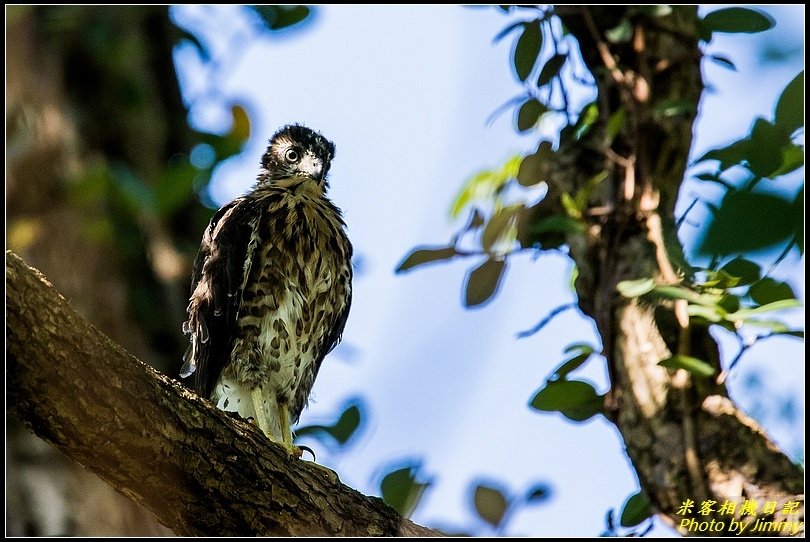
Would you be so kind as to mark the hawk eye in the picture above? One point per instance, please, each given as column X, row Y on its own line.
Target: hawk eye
column 292, row 155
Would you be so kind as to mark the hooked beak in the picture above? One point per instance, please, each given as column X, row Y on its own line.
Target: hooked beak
column 312, row 167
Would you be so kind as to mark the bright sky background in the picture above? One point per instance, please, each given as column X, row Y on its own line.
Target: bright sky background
column 405, row 93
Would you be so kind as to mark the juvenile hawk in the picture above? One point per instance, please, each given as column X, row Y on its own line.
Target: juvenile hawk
column 271, row 288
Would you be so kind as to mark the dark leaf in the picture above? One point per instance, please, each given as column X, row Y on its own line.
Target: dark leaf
column 279, row 17
column 490, row 504
column 769, row 290
column 538, row 493
column 694, row 365
column 534, row 167
column 529, row 113
column 766, row 153
column 790, row 107
column 558, row 223
column 341, row 431
column 498, row 225
column 575, row 399
column 636, row 509
column 747, row 271
column 747, row 221
column 572, row 364
column 402, row 490
column 587, row 117
column 730, row 155
column 527, row 49
column 736, row 20
column 483, row 281
column 550, row 69
column 422, row 256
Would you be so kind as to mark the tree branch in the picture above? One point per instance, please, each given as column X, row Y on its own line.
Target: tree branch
column 198, row 470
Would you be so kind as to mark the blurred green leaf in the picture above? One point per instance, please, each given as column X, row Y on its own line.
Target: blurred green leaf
column 558, row 223
column 484, row 185
column 534, row 167
column 635, row 288
column 501, row 228
column 587, row 117
column 421, row 256
column 551, row 69
column 403, row 488
column 341, row 431
column 572, row 364
column 736, row 20
column 527, row 48
column 615, row 123
column 490, row 504
column 694, row 365
column 782, row 304
column 792, row 159
column 575, row 399
column 768, row 290
column 747, row 271
column 482, row 282
column 529, row 114
column 790, row 107
column 621, row 33
column 766, row 153
column 730, row 155
column 280, row 17
column 580, row 348
column 748, row 221
column 175, row 186
column 636, row 509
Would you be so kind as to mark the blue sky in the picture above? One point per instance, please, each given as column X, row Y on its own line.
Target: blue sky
column 405, row 93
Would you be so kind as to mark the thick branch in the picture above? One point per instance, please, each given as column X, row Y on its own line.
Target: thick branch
column 686, row 438
column 199, row 471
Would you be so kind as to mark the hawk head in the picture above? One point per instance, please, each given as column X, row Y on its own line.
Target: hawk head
column 297, row 151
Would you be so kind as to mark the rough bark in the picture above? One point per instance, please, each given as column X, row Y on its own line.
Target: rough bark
column 685, row 437
column 198, row 470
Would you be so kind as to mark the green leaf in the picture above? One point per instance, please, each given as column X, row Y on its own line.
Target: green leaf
column 402, row 489
column 529, row 114
column 747, row 271
column 766, row 153
column 636, row 509
column 580, row 348
column 527, row 48
column 279, row 17
column 575, row 399
column 422, row 256
column 635, row 288
column 501, row 228
column 490, row 504
column 729, row 156
column 534, row 167
column 483, row 282
column 792, row 159
column 341, row 431
column 768, row 290
column 484, row 185
column 782, row 304
column 738, row 20
column 615, row 123
column 747, row 221
column 587, row 117
column 620, row 33
column 571, row 365
column 550, row 69
column 713, row 314
column 558, row 223
column 790, row 107
column 694, row 365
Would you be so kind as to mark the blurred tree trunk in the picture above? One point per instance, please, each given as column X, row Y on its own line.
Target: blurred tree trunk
column 90, row 89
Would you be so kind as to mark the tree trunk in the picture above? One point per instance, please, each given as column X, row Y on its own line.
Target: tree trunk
column 198, row 470
column 685, row 436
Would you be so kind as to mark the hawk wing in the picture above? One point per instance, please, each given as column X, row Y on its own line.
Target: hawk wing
column 217, row 284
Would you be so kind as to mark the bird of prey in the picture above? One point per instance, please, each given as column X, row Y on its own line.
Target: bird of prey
column 271, row 288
